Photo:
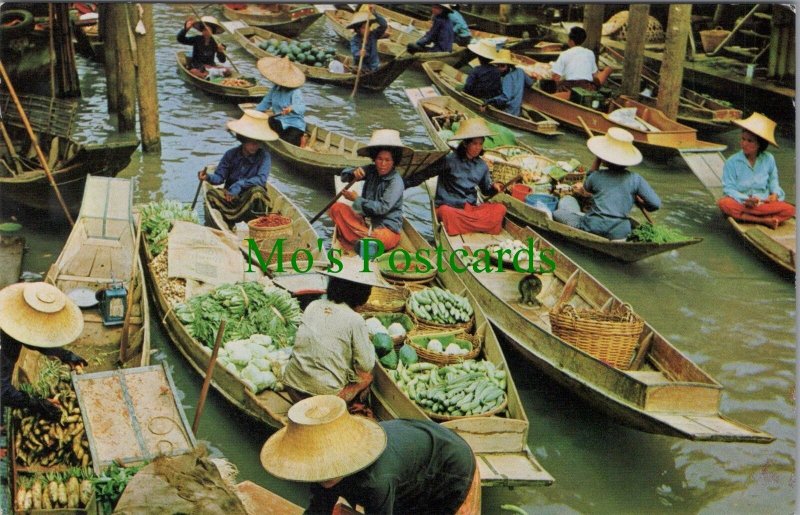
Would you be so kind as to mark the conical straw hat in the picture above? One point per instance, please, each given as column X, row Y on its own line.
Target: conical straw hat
column 504, row 57
column 39, row 315
column 359, row 18
column 616, row 147
column 384, row 138
column 484, row 48
column 352, row 270
column 212, row 22
column 446, row 7
column 759, row 125
column 253, row 125
column 472, row 128
column 322, row 441
column 281, row 71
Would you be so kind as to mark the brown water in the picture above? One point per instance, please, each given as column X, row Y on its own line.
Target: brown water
column 716, row 301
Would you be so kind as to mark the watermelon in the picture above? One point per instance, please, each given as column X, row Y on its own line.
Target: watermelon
column 273, row 41
column 390, row 360
column 317, row 64
column 301, row 57
column 305, row 45
column 263, row 45
column 408, row 355
column 383, row 344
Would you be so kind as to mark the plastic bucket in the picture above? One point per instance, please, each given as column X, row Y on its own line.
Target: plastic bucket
column 520, row 191
column 540, row 199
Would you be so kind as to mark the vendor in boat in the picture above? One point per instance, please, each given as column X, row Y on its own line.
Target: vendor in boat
column 577, row 66
column 440, row 37
column 369, row 50
column 243, row 170
column 460, row 173
column 378, row 212
column 332, row 353
column 613, row 189
column 750, row 177
column 204, row 47
column 37, row 316
column 395, row 466
column 284, row 103
column 513, row 82
column 461, row 31
column 484, row 81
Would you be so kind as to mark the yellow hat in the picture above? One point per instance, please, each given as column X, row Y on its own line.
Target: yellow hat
column 484, row 48
column 253, row 125
column 386, row 138
column 616, row 147
column 212, row 22
column 504, row 57
column 281, row 71
column 39, row 315
column 472, row 128
column 322, row 441
column 358, row 18
column 759, row 125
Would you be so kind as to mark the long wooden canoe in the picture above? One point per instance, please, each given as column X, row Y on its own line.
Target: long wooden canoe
column 451, row 82
column 777, row 245
column 448, row 108
column 230, row 93
column 287, row 19
column 390, row 68
column 662, row 392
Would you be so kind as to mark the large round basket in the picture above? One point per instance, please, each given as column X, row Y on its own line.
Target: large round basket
column 388, row 319
column 428, row 325
column 443, row 418
column 712, row 38
column 415, row 341
column 385, row 301
column 402, row 277
column 265, row 237
column 609, row 337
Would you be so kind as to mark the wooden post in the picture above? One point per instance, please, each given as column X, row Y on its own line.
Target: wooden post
column 671, row 73
column 209, row 374
column 123, row 66
column 774, row 43
column 593, row 17
column 635, row 39
column 147, row 93
column 109, row 51
column 504, row 12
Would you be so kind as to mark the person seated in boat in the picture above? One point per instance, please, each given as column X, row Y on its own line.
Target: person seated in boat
column 484, row 81
column 750, row 177
column 378, row 212
column 614, row 189
column 358, row 23
column 461, row 32
column 576, row 66
column 204, row 48
column 460, row 173
column 440, row 37
column 395, row 466
column 513, row 81
column 332, row 353
column 243, row 170
column 284, row 102
column 37, row 316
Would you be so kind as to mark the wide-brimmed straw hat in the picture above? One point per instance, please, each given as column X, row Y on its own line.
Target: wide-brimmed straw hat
column 212, row 22
column 483, row 48
column 322, row 441
column 359, row 18
column 472, row 128
column 759, row 125
column 281, row 71
column 352, row 270
column 253, row 125
column 616, row 147
column 384, row 138
column 504, row 57
column 39, row 315
column 446, row 7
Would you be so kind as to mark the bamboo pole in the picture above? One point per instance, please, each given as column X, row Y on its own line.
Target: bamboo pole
column 636, row 37
column 671, row 73
column 34, row 140
column 200, row 20
column 364, row 38
column 207, row 380
column 147, row 93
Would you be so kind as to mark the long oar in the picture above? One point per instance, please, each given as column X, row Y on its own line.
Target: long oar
column 333, row 201
column 639, row 200
column 123, row 341
column 200, row 19
column 361, row 56
column 207, row 381
column 11, row 149
column 196, row 193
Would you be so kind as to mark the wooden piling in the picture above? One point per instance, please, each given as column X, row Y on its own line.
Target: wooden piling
column 593, row 18
column 123, row 66
column 147, row 93
column 109, row 51
column 635, row 39
column 671, row 73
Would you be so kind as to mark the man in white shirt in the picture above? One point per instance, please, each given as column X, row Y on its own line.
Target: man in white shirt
column 576, row 66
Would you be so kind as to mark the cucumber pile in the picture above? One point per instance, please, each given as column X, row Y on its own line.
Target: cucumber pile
column 302, row 52
column 460, row 390
column 440, row 306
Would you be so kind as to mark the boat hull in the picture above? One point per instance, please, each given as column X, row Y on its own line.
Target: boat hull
column 230, row 93
column 289, row 21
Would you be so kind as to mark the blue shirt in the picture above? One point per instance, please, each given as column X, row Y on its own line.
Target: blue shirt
column 460, row 27
column 484, row 82
column 458, row 179
column 280, row 97
column 202, row 52
column 381, row 197
column 441, row 35
column 740, row 180
column 513, row 83
column 371, row 58
column 240, row 172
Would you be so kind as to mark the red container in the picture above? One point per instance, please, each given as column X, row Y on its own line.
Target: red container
column 520, row 191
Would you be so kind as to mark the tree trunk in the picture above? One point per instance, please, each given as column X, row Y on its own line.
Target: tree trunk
column 671, row 74
column 635, row 38
column 593, row 17
column 146, row 81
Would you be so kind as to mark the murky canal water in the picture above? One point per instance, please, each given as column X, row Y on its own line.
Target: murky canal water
column 715, row 301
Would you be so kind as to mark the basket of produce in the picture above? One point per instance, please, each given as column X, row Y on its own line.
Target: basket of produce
column 395, row 325
column 446, row 347
column 385, row 301
column 399, row 270
column 610, row 337
column 712, row 38
column 436, row 309
column 266, row 230
column 656, row 233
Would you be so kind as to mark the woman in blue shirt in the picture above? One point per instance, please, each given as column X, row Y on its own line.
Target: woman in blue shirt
column 461, row 31
column 204, row 47
column 440, row 37
column 284, row 102
column 750, row 177
column 512, row 84
column 358, row 23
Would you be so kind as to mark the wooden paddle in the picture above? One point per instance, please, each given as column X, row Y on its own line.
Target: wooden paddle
column 207, row 380
column 505, row 186
column 197, row 191
column 364, row 38
column 333, row 201
column 11, row 149
column 639, row 200
column 123, row 341
column 200, row 19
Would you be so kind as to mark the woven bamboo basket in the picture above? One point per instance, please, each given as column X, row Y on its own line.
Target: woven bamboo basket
column 609, row 337
column 712, row 38
column 401, row 277
column 389, row 318
column 503, row 171
column 428, row 325
column 440, row 358
column 265, row 237
column 385, row 301
column 443, row 418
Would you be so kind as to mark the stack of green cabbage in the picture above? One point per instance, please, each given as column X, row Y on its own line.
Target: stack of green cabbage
column 302, row 52
column 257, row 361
column 157, row 220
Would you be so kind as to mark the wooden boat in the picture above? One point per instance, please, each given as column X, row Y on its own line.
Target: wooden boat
column 216, row 88
column 777, row 245
column 451, row 82
column 251, row 37
column 287, row 19
column 483, row 16
column 11, row 249
column 23, row 181
column 662, row 391
column 448, row 108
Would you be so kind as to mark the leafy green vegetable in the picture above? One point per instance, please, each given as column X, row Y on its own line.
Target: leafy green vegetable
column 648, row 232
column 109, row 485
column 157, row 220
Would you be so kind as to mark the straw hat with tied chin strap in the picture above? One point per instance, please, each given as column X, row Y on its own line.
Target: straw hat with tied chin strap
column 504, row 57
column 253, row 125
column 39, row 315
column 212, row 22
column 384, row 138
column 616, row 147
column 322, row 441
column 352, row 270
column 472, row 128
column 281, row 71
column 759, row 125
column 484, row 48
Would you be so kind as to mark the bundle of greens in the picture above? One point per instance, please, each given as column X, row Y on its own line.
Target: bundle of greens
column 157, row 220
column 111, row 483
column 650, row 233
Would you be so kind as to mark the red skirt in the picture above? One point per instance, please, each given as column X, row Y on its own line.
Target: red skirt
column 352, row 227
column 486, row 218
